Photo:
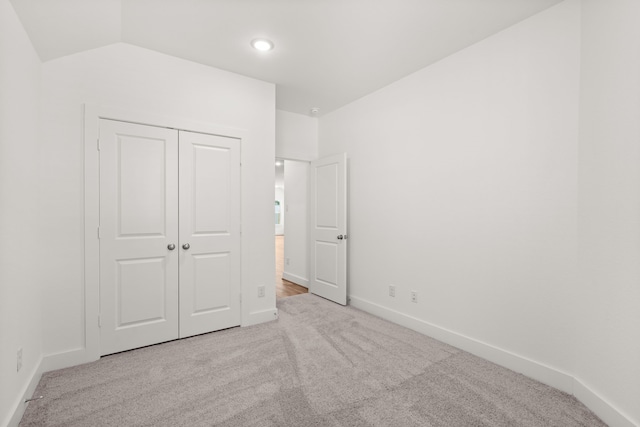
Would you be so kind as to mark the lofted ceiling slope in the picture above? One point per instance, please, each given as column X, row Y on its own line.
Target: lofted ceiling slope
column 327, row 52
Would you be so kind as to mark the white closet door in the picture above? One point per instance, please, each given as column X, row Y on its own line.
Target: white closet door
column 209, row 233
column 138, row 225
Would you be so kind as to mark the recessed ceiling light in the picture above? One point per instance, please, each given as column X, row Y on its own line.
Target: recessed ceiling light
column 262, row 45
column 278, row 163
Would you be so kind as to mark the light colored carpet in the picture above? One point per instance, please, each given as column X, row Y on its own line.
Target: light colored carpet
column 320, row 364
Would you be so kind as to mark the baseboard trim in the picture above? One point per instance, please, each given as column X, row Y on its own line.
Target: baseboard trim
column 538, row 371
column 20, row 406
column 603, row 409
column 66, row 359
column 48, row 363
column 543, row 373
column 296, row 279
column 523, row 365
column 261, row 316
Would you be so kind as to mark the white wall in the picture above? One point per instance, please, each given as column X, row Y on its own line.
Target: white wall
column 279, row 196
column 295, row 238
column 296, row 139
column 128, row 77
column 296, row 136
column 21, row 284
column 608, row 345
column 463, row 187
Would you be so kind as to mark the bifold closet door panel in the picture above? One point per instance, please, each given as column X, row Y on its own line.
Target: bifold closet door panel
column 138, row 226
column 209, row 233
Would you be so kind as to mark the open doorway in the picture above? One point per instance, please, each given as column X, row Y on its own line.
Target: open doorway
column 290, row 215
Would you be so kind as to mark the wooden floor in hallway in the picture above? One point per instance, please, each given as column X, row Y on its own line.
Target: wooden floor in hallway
column 284, row 288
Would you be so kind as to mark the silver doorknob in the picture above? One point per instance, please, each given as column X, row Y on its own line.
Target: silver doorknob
column 186, row 246
column 340, row 237
column 171, row 247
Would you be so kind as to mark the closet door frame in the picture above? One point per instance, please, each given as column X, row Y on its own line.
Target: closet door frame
column 92, row 116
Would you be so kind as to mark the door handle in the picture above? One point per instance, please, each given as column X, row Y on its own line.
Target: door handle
column 341, row 237
column 171, row 247
column 186, row 246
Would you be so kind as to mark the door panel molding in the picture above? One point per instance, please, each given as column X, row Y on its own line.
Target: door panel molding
column 210, row 224
column 138, row 221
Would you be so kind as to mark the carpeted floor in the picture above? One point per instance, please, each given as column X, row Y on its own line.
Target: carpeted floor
column 320, row 364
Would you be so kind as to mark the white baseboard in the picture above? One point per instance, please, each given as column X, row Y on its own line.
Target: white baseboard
column 296, row 279
column 528, row 367
column 261, row 316
column 46, row 364
column 538, row 371
column 603, row 409
column 66, row 359
column 20, row 406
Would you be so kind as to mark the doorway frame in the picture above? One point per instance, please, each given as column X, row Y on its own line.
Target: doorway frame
column 92, row 116
column 297, row 279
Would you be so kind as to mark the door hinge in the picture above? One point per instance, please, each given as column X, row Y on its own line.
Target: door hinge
column 99, row 321
column 98, row 144
column 99, row 236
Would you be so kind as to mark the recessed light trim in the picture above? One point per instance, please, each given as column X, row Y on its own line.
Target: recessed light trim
column 263, row 45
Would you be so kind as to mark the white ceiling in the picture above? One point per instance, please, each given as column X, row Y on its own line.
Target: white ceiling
column 327, row 52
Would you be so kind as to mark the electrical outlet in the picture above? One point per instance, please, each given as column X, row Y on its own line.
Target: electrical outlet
column 392, row 291
column 414, row 296
column 287, row 260
column 261, row 291
column 19, row 360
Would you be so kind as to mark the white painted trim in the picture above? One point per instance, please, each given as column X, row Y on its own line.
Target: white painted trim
column 91, row 243
column 298, row 280
column 528, row 367
column 92, row 116
column 592, row 400
column 20, row 406
column 65, row 359
column 47, row 363
column 538, row 371
column 603, row 409
column 143, row 118
column 261, row 316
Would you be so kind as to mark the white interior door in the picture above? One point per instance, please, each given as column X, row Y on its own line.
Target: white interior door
column 138, row 225
column 209, row 233
column 328, row 248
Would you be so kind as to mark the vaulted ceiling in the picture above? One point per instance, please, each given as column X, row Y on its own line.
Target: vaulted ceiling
column 327, row 52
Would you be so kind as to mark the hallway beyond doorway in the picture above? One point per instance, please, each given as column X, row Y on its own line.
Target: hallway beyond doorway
column 284, row 288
